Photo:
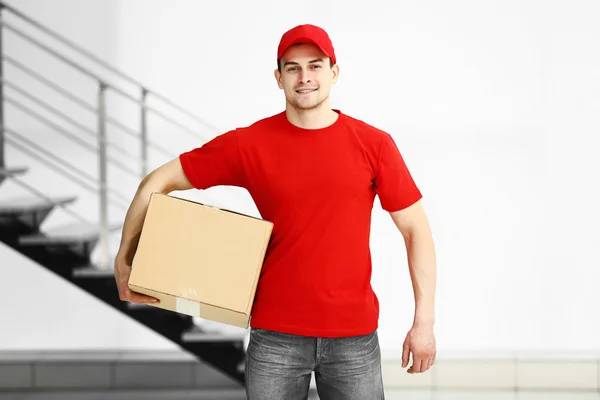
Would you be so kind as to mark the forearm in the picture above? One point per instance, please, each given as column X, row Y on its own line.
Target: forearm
column 422, row 265
column 134, row 219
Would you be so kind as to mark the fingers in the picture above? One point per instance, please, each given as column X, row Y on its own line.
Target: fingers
column 122, row 273
column 415, row 368
column 431, row 362
column 127, row 294
column 421, row 363
column 427, row 364
column 140, row 298
column 405, row 354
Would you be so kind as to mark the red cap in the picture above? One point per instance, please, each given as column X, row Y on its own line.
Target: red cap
column 307, row 34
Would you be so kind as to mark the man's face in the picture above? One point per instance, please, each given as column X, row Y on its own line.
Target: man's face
column 306, row 76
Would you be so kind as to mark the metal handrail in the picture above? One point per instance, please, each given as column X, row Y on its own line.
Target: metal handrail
column 64, row 116
column 39, row 149
column 76, row 180
column 61, row 162
column 105, row 65
column 81, row 103
column 90, row 74
column 68, row 134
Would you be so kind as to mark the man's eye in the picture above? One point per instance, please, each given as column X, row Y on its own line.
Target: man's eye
column 292, row 69
column 316, row 66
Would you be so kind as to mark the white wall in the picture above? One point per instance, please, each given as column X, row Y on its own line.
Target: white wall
column 491, row 104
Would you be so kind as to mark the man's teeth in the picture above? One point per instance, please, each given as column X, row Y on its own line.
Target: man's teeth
column 305, row 90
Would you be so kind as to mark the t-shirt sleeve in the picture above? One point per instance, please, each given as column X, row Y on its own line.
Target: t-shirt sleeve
column 216, row 163
column 393, row 182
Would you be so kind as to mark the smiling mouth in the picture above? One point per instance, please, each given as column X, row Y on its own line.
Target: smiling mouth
column 305, row 90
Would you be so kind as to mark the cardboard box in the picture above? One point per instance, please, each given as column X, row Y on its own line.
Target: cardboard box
column 200, row 260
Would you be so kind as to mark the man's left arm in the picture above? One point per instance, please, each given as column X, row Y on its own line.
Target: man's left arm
column 420, row 340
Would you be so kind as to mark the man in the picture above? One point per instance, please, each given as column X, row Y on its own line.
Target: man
column 314, row 172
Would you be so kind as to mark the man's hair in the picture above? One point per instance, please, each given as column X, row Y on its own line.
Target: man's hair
column 279, row 64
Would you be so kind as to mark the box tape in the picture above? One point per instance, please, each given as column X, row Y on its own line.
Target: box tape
column 187, row 307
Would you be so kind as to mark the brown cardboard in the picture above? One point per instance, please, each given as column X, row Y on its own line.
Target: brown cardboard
column 200, row 260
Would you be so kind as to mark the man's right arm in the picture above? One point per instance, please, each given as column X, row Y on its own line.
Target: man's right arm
column 165, row 179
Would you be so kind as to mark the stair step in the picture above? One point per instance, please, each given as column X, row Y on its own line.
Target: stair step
column 197, row 334
column 22, row 205
column 69, row 234
column 134, row 306
column 93, row 272
column 4, row 172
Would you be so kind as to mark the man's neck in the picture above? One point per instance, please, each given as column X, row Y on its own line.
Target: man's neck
column 316, row 118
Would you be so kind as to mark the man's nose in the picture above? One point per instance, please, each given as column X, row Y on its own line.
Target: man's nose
column 305, row 76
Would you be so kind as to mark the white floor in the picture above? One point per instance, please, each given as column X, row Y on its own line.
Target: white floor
column 237, row 395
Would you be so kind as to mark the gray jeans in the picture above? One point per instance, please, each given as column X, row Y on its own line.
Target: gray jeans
column 279, row 366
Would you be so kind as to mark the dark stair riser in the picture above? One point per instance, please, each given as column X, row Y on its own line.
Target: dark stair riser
column 59, row 260
column 31, row 221
column 79, row 251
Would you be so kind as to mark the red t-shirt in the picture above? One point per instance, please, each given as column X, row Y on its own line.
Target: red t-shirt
column 318, row 188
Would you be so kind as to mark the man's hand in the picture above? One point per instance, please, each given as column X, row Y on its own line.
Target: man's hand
column 122, row 273
column 420, row 341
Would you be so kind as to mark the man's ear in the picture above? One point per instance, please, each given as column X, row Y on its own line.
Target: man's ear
column 278, row 78
column 336, row 73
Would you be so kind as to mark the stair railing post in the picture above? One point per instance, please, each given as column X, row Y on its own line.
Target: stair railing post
column 1, row 95
column 144, row 136
column 102, row 176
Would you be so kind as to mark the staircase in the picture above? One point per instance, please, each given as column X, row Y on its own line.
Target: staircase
column 67, row 250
